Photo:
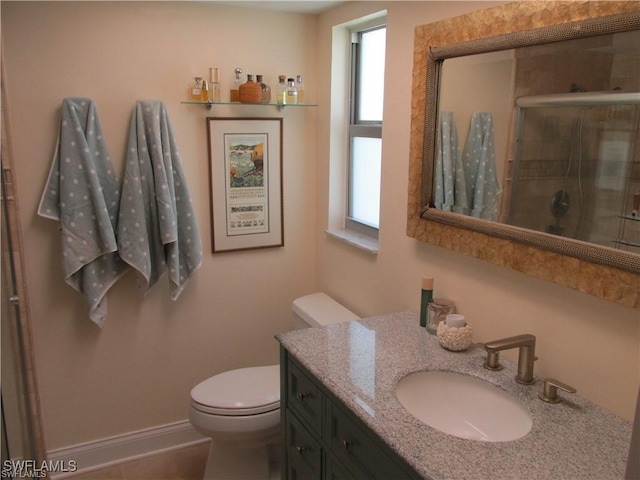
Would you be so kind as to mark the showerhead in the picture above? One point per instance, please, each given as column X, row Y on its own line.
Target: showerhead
column 560, row 204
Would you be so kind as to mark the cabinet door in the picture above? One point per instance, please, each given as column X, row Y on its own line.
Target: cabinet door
column 334, row 470
column 304, row 453
column 357, row 450
column 304, row 398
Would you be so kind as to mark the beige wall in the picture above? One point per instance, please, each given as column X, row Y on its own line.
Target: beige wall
column 137, row 371
column 588, row 343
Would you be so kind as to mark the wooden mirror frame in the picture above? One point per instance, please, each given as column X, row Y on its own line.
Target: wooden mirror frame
column 604, row 272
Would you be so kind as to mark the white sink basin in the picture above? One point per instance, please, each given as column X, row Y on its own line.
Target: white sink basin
column 463, row 406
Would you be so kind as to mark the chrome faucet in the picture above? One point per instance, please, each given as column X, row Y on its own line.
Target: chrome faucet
column 527, row 345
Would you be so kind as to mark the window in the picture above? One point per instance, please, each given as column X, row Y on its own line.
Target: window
column 365, row 128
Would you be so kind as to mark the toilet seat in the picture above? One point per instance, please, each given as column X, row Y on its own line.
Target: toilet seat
column 245, row 391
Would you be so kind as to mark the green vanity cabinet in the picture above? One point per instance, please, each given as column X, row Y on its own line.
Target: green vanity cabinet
column 303, row 451
column 323, row 440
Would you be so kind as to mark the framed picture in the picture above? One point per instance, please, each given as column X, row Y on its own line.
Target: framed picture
column 245, row 178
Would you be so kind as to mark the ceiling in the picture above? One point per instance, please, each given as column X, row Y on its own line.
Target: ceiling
column 295, row 6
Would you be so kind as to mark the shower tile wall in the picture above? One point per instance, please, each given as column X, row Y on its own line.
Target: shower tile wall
column 630, row 229
column 597, row 67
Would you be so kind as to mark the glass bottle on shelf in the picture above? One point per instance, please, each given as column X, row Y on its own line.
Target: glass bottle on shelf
column 266, row 89
column 281, row 89
column 205, row 91
column 195, row 90
column 300, row 88
column 235, row 85
column 291, row 94
column 250, row 91
column 214, row 85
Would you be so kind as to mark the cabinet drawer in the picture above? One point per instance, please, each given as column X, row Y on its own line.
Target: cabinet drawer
column 304, row 398
column 304, row 453
column 357, row 450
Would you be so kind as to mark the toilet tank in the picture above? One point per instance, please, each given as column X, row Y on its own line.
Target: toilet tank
column 318, row 309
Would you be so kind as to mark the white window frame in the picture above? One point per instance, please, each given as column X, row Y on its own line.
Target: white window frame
column 357, row 127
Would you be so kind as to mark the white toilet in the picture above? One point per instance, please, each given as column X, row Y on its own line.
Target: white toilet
column 240, row 409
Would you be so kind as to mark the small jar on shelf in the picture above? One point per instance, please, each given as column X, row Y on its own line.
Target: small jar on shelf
column 300, row 88
column 234, row 91
column 266, row 89
column 214, row 85
column 205, row 91
column 291, row 94
column 194, row 93
column 281, row 89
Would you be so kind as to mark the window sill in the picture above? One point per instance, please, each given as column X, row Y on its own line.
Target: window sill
column 358, row 240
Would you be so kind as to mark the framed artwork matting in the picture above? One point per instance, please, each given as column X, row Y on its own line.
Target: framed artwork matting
column 245, row 180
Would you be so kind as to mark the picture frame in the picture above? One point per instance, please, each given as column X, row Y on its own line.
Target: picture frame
column 245, row 181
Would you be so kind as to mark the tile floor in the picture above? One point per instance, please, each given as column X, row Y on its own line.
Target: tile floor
column 183, row 464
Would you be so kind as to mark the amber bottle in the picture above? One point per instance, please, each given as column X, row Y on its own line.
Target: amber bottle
column 250, row 91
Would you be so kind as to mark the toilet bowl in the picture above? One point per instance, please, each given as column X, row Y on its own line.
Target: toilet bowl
column 240, row 409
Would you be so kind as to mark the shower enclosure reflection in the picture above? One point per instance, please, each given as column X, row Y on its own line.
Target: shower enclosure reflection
column 559, row 149
column 576, row 170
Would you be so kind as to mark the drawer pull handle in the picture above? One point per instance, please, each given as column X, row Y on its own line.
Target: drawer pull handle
column 300, row 449
column 345, row 444
column 301, row 396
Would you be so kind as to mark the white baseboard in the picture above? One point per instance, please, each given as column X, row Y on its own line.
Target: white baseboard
column 121, row 448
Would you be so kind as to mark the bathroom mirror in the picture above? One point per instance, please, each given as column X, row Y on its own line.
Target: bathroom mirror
column 565, row 165
column 508, row 34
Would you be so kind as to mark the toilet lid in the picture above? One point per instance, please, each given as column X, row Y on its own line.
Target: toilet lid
column 245, row 391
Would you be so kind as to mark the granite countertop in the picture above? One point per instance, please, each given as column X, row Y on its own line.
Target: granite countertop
column 361, row 362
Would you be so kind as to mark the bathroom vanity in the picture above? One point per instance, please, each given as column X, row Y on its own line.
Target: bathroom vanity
column 321, row 435
column 341, row 417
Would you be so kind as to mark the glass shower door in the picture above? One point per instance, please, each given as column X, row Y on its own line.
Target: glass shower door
column 576, row 172
column 22, row 438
